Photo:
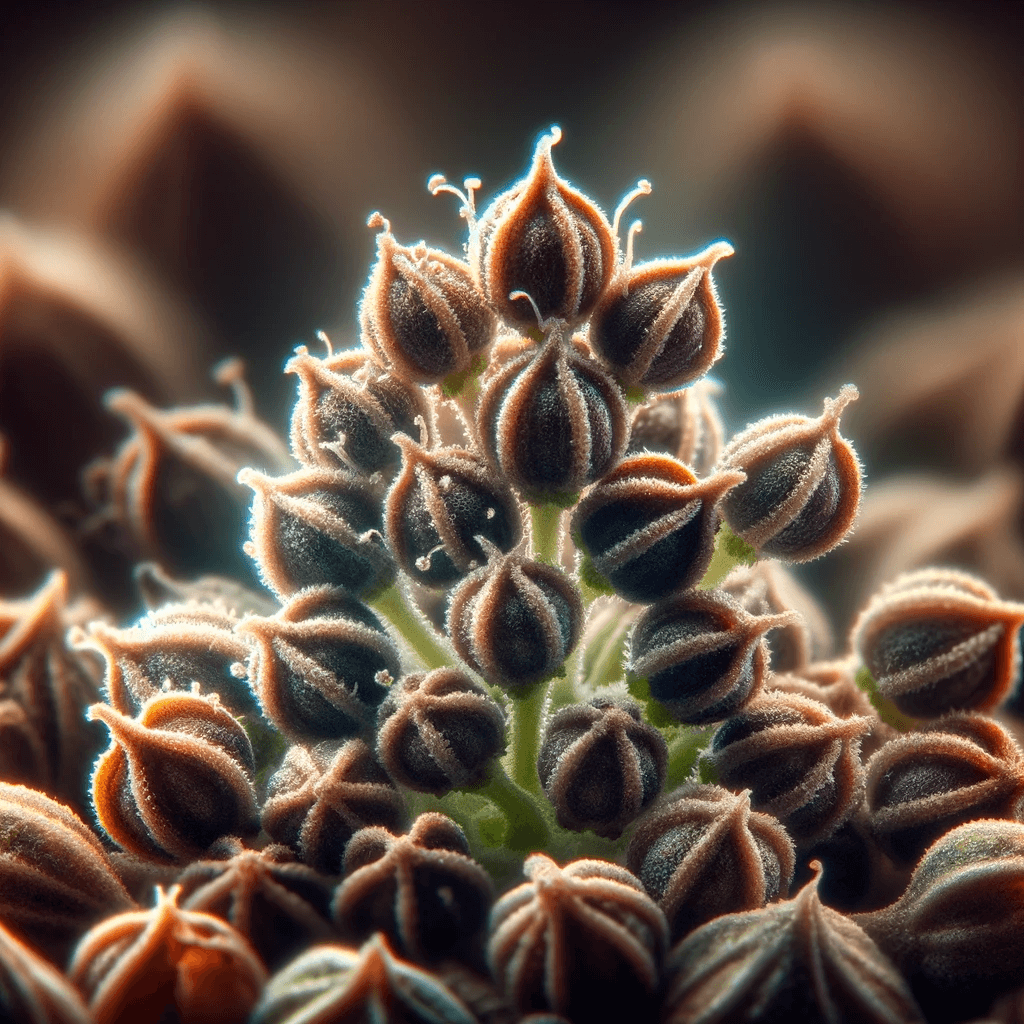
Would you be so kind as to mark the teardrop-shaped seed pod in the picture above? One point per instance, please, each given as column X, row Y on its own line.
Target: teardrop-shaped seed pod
column 659, row 325
column 649, row 525
column 584, row 941
column 176, row 779
column 167, row 963
column 801, row 762
column 704, row 852
column 441, row 502
column 791, row 961
column 939, row 640
column 33, row 991
column 545, row 239
column 702, row 655
column 601, row 764
column 803, row 483
column 685, row 424
column 515, row 621
column 438, row 731
column 321, row 665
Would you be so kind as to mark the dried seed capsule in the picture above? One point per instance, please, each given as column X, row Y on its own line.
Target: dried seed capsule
column 649, row 525
column 175, row 779
column 422, row 890
column 704, row 853
column 552, row 420
column 938, row 641
column 438, row 731
column 803, row 483
column 791, row 961
column 601, row 764
column 684, row 424
column 441, row 502
column 547, row 240
column 659, row 325
column 167, row 963
column 584, row 941
column 321, row 796
column 319, row 667
column 702, row 655
column 515, row 621
column 33, row 991
column 801, row 762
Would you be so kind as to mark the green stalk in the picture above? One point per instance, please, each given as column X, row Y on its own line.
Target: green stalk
column 394, row 606
column 527, row 830
column 730, row 551
column 525, row 746
column 546, row 520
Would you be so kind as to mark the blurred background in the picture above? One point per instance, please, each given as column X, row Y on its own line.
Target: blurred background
column 184, row 182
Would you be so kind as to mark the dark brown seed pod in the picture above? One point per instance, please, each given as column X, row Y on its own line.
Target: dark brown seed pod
column 791, row 961
column 552, row 420
column 649, row 525
column 601, row 764
column 157, row 588
column 584, row 941
column 321, row 665
column 803, row 483
column 422, row 890
column 167, row 963
column 546, row 240
column 321, row 796
column 940, row 640
column 702, row 655
column 422, row 313
column 441, row 502
column 33, row 991
column 801, row 762
column 438, row 731
column 659, row 324
column 515, row 621
column 704, row 852
column 175, row 779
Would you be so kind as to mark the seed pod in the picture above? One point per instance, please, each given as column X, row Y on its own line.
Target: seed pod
column 703, row 853
column 685, row 424
column 649, row 525
column 659, row 325
column 441, row 502
column 938, row 641
column 314, row 527
column 547, row 240
column 422, row 890
column 791, row 961
column 515, row 621
column 584, row 941
column 438, row 731
column 320, row 666
column 702, row 655
column 33, row 991
column 552, row 420
column 157, row 588
column 175, row 779
column 803, row 483
column 801, row 762
column 601, row 764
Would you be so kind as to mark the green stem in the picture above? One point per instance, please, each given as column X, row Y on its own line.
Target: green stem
column 527, row 829
column 393, row 604
column 730, row 551
column 546, row 520
column 526, row 715
column 562, row 691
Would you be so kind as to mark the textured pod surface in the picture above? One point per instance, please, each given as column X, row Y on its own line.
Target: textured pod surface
column 33, row 991
column 685, row 424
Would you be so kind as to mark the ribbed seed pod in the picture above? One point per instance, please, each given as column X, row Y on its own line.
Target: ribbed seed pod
column 938, row 641
column 422, row 890
column 803, row 483
column 704, row 852
column 659, row 325
column 552, row 420
column 921, row 785
column 515, row 621
column 441, row 502
column 685, row 424
column 601, row 764
column 584, row 941
column 649, row 525
column 320, row 666
column 438, row 731
column 702, row 655
column 321, row 796
column 545, row 239
column 33, row 991
column 315, row 527
column 801, row 762
column 175, row 779
column 166, row 963
column 792, row 961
